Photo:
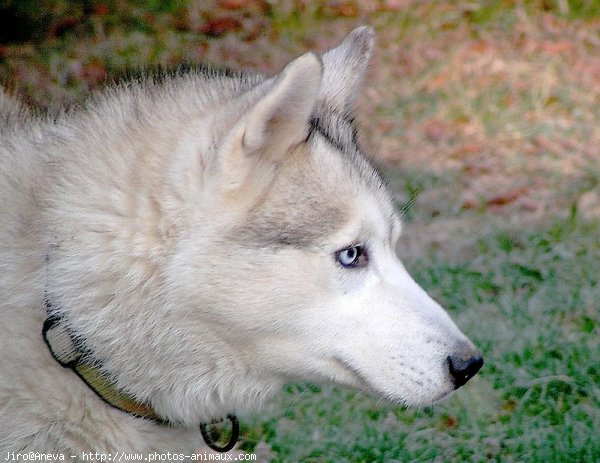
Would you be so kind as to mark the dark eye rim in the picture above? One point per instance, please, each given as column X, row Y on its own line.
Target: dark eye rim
column 361, row 259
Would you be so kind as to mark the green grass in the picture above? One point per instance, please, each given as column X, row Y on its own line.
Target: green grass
column 529, row 300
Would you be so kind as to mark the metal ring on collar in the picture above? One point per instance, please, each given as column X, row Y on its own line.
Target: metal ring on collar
column 233, row 438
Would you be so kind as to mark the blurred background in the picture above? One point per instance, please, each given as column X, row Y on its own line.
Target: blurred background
column 485, row 118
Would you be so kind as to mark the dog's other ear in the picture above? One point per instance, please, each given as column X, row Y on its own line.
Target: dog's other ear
column 277, row 120
column 344, row 68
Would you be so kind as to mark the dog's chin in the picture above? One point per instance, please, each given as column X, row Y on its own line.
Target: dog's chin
column 443, row 396
column 411, row 399
column 419, row 399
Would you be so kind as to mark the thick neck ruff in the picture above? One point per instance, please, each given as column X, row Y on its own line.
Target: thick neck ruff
column 70, row 353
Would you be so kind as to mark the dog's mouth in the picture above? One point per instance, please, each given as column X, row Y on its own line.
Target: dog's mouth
column 361, row 382
column 355, row 377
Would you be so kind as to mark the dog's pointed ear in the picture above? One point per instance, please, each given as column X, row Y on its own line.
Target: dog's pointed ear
column 277, row 120
column 344, row 68
column 282, row 115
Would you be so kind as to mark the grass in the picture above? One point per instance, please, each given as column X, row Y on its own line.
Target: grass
column 486, row 116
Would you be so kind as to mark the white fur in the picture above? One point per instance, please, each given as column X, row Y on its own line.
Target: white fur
column 138, row 216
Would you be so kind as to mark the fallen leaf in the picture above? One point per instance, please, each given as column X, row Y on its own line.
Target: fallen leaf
column 507, row 197
column 220, row 25
column 261, row 5
column 344, row 9
column 101, row 9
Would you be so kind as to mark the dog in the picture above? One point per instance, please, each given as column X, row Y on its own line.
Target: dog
column 177, row 248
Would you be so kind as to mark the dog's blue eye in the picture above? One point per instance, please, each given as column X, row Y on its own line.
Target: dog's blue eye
column 354, row 256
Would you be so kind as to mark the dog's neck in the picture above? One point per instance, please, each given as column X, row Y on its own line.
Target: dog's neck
column 72, row 353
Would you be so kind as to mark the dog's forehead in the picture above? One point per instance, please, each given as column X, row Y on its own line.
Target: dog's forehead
column 326, row 184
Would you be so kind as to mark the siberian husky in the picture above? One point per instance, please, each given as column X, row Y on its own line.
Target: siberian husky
column 177, row 249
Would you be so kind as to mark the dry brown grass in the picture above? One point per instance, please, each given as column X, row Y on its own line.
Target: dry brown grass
column 509, row 111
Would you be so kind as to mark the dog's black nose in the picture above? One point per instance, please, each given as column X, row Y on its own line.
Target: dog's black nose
column 463, row 369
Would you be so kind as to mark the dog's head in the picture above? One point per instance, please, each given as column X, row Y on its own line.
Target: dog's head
column 292, row 263
column 281, row 261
